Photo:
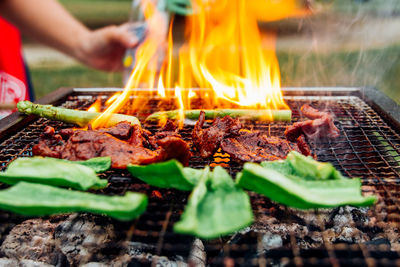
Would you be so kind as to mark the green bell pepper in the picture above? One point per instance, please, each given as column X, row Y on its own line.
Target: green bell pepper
column 293, row 184
column 51, row 171
column 99, row 164
column 169, row 174
column 39, row 200
column 216, row 207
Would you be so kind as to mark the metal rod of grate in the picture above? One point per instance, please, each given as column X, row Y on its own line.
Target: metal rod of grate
column 368, row 148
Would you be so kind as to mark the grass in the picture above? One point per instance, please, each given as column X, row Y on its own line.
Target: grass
column 46, row 80
column 96, row 13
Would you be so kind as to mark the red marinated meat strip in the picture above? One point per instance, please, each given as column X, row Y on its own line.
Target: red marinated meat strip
column 313, row 113
column 242, row 144
column 207, row 141
column 319, row 126
column 257, row 147
column 86, row 144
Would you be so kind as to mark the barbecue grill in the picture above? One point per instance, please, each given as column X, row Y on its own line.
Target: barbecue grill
column 369, row 147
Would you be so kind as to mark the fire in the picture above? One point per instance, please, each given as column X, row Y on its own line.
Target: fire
column 224, row 51
column 96, row 106
column 112, row 99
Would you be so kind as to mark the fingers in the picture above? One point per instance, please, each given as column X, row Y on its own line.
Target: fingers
column 122, row 35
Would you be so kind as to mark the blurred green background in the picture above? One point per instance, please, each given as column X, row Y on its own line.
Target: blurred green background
column 346, row 43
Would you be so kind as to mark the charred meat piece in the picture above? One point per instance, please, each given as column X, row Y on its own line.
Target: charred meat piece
column 49, row 144
column 207, row 141
column 121, row 130
column 168, row 130
column 175, row 147
column 83, row 145
column 319, row 126
column 257, row 147
column 136, row 149
column 313, row 113
column 242, row 144
column 304, row 147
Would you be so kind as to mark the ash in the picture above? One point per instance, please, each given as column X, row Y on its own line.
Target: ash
column 91, row 240
column 279, row 226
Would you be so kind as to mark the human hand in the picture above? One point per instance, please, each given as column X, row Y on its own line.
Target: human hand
column 104, row 48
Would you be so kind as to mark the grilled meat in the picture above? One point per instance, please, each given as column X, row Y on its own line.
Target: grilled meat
column 303, row 146
column 257, row 147
column 121, row 130
column 242, row 144
column 138, row 146
column 207, row 141
column 319, row 126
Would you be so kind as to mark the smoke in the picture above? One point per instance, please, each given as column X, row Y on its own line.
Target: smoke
column 345, row 43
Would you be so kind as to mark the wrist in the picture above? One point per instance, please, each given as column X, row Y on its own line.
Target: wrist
column 79, row 47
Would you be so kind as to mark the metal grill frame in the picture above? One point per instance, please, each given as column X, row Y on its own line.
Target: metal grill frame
column 164, row 242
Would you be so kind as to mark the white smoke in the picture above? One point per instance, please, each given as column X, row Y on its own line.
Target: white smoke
column 345, row 43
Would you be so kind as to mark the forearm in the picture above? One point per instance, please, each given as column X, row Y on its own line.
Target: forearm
column 46, row 21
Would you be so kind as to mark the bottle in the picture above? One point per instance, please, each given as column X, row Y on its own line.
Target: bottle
column 137, row 25
column 157, row 25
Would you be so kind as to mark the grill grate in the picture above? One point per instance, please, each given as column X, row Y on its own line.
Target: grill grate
column 368, row 147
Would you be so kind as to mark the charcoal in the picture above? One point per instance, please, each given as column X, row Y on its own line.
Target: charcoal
column 85, row 238
column 4, row 262
column 197, row 256
column 33, row 240
column 309, row 227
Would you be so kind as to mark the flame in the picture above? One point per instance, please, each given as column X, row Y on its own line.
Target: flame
column 112, row 99
column 96, row 106
column 224, row 51
column 227, row 53
column 145, row 70
column 181, row 117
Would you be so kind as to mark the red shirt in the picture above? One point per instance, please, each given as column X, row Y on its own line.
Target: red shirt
column 13, row 80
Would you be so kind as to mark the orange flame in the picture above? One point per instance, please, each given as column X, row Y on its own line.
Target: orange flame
column 224, row 51
column 112, row 99
column 96, row 106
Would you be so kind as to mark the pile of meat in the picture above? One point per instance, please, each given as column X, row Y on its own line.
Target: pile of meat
column 124, row 143
column 242, row 144
column 127, row 144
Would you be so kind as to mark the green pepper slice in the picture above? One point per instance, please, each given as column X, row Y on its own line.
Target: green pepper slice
column 39, row 200
column 53, row 172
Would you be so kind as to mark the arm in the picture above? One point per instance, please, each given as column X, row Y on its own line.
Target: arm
column 48, row 22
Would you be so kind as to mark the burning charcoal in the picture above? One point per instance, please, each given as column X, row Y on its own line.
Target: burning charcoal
column 87, row 238
column 33, row 240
